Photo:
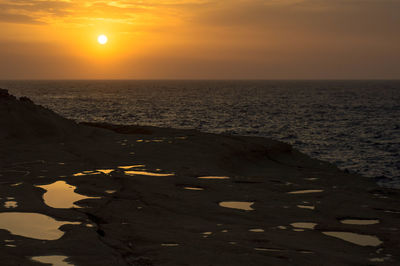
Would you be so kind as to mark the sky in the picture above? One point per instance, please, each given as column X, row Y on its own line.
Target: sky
column 200, row 39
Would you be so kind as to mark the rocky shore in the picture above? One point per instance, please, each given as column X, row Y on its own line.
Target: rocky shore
column 101, row 194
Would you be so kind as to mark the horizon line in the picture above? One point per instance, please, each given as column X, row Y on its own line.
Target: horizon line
column 203, row 79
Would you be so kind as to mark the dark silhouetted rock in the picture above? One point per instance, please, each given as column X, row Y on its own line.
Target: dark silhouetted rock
column 23, row 119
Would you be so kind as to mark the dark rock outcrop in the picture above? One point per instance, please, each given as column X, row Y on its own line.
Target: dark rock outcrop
column 21, row 118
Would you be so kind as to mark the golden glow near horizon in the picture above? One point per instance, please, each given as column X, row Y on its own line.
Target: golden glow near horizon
column 199, row 39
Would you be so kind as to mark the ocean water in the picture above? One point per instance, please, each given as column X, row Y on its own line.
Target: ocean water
column 353, row 124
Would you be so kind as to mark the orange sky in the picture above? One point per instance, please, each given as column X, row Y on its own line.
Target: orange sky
column 196, row 39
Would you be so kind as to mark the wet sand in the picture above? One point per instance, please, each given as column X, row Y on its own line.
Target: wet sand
column 161, row 212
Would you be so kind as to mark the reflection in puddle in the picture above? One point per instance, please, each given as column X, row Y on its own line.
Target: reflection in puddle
column 84, row 173
column 132, row 166
column 194, row 188
column 213, row 177
column 170, row 245
column 304, row 225
column 383, row 259
column 377, row 259
column 306, row 207
column 79, row 174
column 306, row 252
column 62, row 195
column 110, row 191
column 105, row 171
column 361, row 240
column 391, row 211
column 10, row 204
column 268, row 249
column 306, row 191
column 53, row 260
column 206, row 234
column 359, row 222
column 132, row 173
column 32, row 225
column 241, row 205
column 257, row 230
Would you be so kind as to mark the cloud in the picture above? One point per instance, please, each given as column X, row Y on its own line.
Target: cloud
column 215, row 38
column 72, row 11
column 19, row 19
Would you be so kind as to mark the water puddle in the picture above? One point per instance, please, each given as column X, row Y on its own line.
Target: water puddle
column 194, row 188
column 206, row 234
column 132, row 173
column 304, row 225
column 32, row 225
column 110, row 191
column 306, row 191
column 240, row 205
column 387, row 257
column 10, row 204
column 257, row 230
column 84, row 173
column 306, row 251
column 306, row 207
column 132, row 166
column 61, row 195
column 358, row 239
column 170, row 245
column 269, row 249
column 213, row 177
column 392, row 211
column 105, row 171
column 53, row 260
column 359, row 221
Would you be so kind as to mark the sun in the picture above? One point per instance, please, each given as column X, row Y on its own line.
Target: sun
column 102, row 39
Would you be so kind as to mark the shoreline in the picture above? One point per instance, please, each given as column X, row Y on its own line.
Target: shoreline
column 159, row 205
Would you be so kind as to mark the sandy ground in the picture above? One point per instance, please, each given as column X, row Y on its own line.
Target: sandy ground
column 154, row 220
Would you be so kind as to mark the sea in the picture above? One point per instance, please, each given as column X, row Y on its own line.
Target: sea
column 352, row 124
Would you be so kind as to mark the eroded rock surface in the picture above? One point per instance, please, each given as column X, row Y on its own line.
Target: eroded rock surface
column 154, row 220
